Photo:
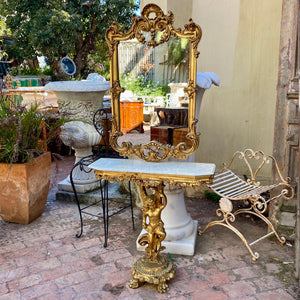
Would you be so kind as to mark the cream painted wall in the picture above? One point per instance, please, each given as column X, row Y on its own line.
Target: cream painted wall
column 240, row 43
column 241, row 112
column 219, row 21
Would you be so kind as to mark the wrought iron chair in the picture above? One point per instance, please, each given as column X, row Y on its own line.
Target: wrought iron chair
column 230, row 187
column 102, row 125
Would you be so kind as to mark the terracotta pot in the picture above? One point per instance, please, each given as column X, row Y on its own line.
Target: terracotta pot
column 24, row 189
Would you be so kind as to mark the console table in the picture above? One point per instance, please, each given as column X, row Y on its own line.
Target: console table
column 153, row 267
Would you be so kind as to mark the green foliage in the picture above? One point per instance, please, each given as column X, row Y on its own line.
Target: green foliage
column 3, row 29
column 20, row 131
column 57, row 28
column 178, row 51
column 98, row 60
column 27, row 70
column 212, row 196
column 170, row 257
column 141, row 86
column 3, row 54
column 47, row 70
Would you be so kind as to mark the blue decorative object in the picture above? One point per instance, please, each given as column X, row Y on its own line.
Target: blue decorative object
column 68, row 65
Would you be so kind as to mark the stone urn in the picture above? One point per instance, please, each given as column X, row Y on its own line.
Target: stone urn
column 78, row 101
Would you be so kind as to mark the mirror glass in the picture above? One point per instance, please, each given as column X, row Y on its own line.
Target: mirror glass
column 154, row 105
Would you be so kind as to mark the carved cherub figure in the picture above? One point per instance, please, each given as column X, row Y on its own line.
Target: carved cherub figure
column 152, row 223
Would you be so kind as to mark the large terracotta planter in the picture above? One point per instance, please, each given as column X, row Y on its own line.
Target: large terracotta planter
column 24, row 189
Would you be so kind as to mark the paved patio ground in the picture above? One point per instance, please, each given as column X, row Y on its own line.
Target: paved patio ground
column 44, row 260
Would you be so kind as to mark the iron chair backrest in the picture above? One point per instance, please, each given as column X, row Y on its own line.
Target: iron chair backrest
column 102, row 123
column 248, row 156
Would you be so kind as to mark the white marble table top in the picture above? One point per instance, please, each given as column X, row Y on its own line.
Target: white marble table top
column 162, row 168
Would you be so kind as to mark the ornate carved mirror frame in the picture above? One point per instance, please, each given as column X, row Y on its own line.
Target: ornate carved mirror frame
column 160, row 28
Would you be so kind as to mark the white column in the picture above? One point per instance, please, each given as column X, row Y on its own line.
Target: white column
column 180, row 228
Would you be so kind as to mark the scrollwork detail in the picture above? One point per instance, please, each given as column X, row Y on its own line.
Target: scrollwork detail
column 116, row 89
column 259, row 204
column 247, row 155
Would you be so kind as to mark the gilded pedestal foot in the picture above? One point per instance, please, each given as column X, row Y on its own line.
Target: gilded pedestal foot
column 157, row 273
column 162, row 288
column 134, row 283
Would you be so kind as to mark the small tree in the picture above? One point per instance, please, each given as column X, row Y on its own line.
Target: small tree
column 62, row 27
column 3, row 54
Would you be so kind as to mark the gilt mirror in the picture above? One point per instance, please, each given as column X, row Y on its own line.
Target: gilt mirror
column 160, row 59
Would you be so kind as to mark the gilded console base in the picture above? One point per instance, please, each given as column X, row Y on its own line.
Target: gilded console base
column 144, row 270
column 153, row 268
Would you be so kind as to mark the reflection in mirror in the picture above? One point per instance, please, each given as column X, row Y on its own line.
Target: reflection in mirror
column 154, row 105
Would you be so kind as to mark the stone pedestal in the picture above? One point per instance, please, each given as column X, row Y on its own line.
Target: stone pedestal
column 84, row 179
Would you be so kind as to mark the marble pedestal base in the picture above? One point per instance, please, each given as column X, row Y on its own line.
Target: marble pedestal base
column 81, row 137
column 185, row 246
column 181, row 230
column 65, row 185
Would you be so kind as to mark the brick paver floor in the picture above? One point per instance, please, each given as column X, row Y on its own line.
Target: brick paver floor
column 44, row 260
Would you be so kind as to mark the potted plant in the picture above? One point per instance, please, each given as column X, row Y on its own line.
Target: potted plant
column 25, row 166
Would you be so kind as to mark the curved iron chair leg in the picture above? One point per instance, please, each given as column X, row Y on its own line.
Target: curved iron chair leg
column 104, row 197
column 78, row 235
column 106, row 211
column 131, row 205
